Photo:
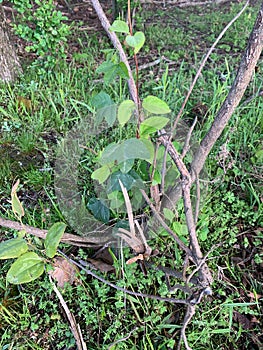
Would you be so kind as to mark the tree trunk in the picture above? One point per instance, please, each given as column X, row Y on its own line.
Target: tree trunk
column 9, row 62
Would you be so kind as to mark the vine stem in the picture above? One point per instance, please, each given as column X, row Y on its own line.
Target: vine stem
column 118, row 46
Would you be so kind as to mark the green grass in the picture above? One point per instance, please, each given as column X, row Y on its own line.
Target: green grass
column 31, row 316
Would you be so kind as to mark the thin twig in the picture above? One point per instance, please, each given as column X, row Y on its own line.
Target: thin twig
column 118, row 46
column 73, row 324
column 122, row 339
column 188, row 316
column 124, row 290
column 165, row 226
column 198, row 196
column 187, row 140
column 202, row 66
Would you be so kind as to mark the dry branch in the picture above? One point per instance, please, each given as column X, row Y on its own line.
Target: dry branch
column 243, row 77
column 67, row 237
column 118, row 46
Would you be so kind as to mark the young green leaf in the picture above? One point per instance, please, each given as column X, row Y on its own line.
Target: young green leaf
column 101, row 174
column 53, row 238
column 168, row 214
column 152, row 124
column 155, row 105
column 26, row 268
column 119, row 26
column 125, row 111
column 102, row 99
column 13, row 248
column 17, row 207
column 136, row 41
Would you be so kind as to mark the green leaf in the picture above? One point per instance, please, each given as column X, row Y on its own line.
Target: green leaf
column 126, row 166
column 153, row 124
column 112, row 70
column 102, row 99
column 114, row 181
column 17, row 207
column 109, row 113
column 100, row 211
column 155, row 105
column 53, row 238
column 129, row 149
column 157, row 178
column 119, row 26
column 137, row 199
column 13, row 248
column 125, row 111
column 116, row 199
column 168, row 214
column 105, row 108
column 26, row 268
column 136, row 41
column 150, row 147
column 101, row 174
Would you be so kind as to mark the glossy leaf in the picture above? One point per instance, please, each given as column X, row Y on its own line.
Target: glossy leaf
column 119, row 26
column 53, row 238
column 125, row 111
column 13, row 248
column 26, row 268
column 136, row 41
column 101, row 174
column 99, row 210
column 152, row 124
column 155, row 105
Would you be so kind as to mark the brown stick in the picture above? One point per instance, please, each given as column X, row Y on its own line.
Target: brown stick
column 243, row 77
column 116, row 43
column 67, row 237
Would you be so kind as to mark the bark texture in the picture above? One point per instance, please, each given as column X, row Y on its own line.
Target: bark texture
column 9, row 63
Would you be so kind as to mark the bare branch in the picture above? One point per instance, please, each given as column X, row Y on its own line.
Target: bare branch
column 118, row 46
column 67, row 237
column 202, row 66
column 166, row 227
column 243, row 77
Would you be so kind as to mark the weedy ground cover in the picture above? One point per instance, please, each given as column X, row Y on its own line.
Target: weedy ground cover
column 38, row 111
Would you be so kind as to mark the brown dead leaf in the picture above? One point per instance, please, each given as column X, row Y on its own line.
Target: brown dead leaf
column 254, row 296
column 101, row 265
column 63, row 272
column 134, row 259
column 24, row 103
column 242, row 320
